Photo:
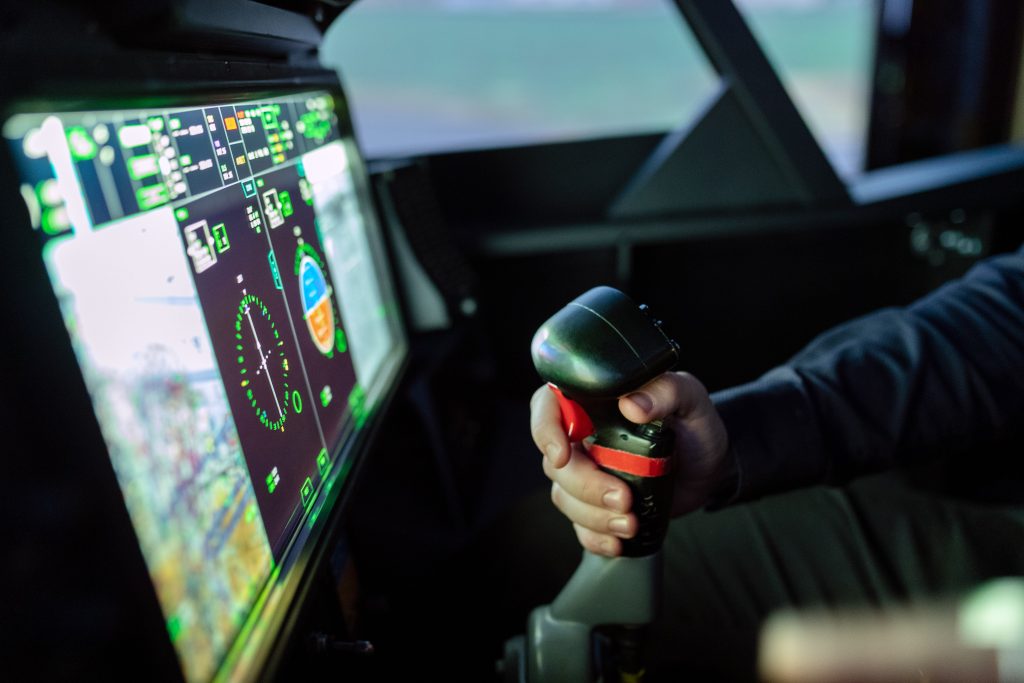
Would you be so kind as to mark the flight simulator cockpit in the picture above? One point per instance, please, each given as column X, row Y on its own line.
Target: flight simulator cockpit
column 267, row 415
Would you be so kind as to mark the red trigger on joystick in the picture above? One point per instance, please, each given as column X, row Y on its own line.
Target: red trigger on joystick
column 575, row 421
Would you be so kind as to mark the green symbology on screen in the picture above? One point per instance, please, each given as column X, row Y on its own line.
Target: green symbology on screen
column 80, row 144
column 262, row 362
column 317, row 123
column 357, row 404
column 174, row 628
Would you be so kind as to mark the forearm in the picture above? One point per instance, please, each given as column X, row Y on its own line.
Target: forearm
column 923, row 381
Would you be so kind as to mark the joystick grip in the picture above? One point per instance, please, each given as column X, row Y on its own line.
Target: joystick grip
column 642, row 458
column 597, row 348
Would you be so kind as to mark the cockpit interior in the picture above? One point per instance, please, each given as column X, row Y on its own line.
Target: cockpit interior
column 273, row 270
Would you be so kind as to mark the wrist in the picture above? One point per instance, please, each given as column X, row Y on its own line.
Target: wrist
column 726, row 489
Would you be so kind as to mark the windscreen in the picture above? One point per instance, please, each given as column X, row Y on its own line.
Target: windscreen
column 220, row 274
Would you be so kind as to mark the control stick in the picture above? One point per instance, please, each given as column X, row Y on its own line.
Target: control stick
column 597, row 348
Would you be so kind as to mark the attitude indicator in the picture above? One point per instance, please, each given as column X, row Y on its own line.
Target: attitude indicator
column 262, row 362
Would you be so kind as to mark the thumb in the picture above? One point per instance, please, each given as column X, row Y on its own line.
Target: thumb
column 672, row 393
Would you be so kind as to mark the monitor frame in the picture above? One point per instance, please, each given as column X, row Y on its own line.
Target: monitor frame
column 137, row 635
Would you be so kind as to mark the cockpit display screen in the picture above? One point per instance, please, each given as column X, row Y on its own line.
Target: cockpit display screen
column 221, row 277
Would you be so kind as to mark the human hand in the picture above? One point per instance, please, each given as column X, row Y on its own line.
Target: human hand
column 598, row 503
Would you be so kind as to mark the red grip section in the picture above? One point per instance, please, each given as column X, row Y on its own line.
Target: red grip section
column 630, row 463
column 575, row 421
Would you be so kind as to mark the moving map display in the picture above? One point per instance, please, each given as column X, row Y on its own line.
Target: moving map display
column 220, row 274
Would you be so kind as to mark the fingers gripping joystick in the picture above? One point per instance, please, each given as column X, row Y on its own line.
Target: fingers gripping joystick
column 597, row 348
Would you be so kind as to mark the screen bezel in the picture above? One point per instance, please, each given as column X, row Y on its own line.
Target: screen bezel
column 262, row 639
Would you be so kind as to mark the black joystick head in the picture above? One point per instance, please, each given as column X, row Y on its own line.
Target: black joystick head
column 602, row 345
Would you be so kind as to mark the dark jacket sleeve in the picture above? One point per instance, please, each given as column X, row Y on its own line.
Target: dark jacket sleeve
column 928, row 380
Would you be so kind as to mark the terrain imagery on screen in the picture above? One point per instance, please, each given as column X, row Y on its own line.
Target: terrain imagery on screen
column 193, row 252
